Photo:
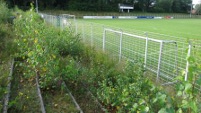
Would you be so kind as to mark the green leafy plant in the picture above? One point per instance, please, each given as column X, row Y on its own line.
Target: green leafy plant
column 56, row 55
column 40, row 48
column 186, row 89
column 116, row 87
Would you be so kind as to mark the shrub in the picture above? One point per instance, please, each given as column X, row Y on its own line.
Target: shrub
column 43, row 47
column 4, row 12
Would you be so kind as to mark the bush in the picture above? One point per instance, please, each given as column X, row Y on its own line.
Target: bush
column 5, row 30
column 120, row 88
column 198, row 9
column 43, row 47
column 4, row 12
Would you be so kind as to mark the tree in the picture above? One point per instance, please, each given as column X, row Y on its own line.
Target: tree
column 94, row 5
column 145, row 5
column 163, row 6
column 107, row 5
column 179, row 6
column 46, row 3
column 198, row 8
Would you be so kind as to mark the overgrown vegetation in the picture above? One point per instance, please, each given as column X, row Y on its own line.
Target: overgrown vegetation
column 4, row 27
column 23, row 97
column 186, row 90
column 22, row 40
column 127, row 90
column 5, row 41
column 57, row 55
column 4, row 12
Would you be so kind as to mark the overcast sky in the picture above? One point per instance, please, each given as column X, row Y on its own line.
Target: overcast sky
column 196, row 1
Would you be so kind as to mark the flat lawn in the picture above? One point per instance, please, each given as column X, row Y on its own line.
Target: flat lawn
column 185, row 28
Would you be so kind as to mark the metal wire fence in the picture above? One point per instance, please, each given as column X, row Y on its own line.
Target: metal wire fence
column 115, row 14
column 164, row 56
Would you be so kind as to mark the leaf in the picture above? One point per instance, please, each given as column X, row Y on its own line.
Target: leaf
column 188, row 87
column 143, row 109
column 179, row 110
column 163, row 110
column 184, row 103
column 141, row 101
column 170, row 110
column 180, row 78
column 161, row 97
column 146, row 109
column 198, row 81
column 36, row 41
column 180, row 87
column 192, row 105
column 153, row 88
column 179, row 93
column 30, row 53
column 191, row 59
column 155, row 100
column 135, row 106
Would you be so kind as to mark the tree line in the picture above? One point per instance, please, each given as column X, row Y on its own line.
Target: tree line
column 177, row 6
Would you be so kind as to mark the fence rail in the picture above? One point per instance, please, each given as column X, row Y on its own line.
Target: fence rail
column 165, row 15
column 163, row 55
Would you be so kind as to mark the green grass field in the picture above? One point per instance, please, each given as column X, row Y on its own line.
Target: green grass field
column 185, row 28
column 174, row 56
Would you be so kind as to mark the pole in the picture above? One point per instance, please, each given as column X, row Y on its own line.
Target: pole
column 37, row 6
column 146, row 49
column 187, row 63
column 199, row 8
column 159, row 60
column 191, row 10
column 120, row 46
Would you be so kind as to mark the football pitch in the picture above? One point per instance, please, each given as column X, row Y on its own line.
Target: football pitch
column 165, row 56
column 182, row 28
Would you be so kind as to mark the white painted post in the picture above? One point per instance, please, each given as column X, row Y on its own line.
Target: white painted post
column 146, row 50
column 104, row 35
column 159, row 60
column 187, row 63
column 36, row 6
column 120, row 46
